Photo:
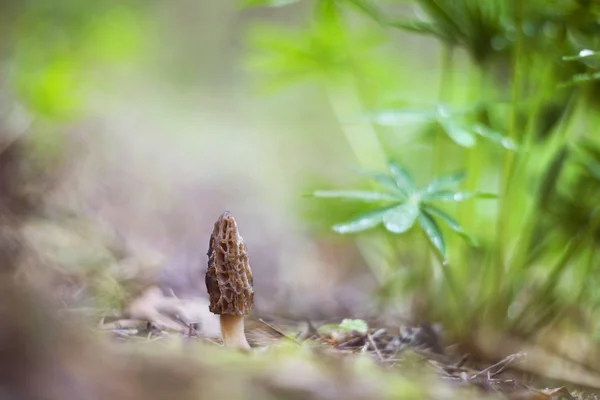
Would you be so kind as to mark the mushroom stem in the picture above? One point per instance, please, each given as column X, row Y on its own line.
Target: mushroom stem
column 232, row 331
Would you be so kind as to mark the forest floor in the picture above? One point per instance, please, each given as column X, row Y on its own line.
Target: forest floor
column 157, row 346
column 349, row 359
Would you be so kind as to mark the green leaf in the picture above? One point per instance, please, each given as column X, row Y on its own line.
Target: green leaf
column 447, row 195
column 581, row 78
column 495, row 137
column 403, row 178
column 370, row 10
column 445, row 181
column 328, row 10
column 585, row 53
column 451, row 222
column 433, row 232
column 593, row 169
column 362, row 222
column 588, row 149
column 403, row 117
column 267, row 3
column 447, row 16
column 458, row 133
column 354, row 325
column 346, row 326
column 401, row 218
column 360, row 195
column 328, row 329
column 547, row 186
column 384, row 180
column 421, row 27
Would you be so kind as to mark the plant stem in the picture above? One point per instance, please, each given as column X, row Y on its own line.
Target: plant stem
column 362, row 137
column 526, row 315
column 530, row 216
column 445, row 96
column 453, row 288
column 508, row 157
column 446, row 73
column 575, row 244
column 475, row 157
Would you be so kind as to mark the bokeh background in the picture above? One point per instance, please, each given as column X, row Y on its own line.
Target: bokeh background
column 148, row 119
column 143, row 121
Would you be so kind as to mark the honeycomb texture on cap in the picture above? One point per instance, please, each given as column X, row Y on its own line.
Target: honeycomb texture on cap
column 229, row 277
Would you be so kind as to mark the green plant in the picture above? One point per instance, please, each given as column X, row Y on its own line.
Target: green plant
column 406, row 204
column 533, row 259
column 346, row 326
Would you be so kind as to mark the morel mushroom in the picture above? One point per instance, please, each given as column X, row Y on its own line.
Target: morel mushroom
column 229, row 280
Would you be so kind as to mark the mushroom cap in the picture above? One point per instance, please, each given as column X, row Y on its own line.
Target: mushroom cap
column 229, row 277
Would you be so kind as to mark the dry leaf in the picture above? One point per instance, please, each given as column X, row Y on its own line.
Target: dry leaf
column 172, row 313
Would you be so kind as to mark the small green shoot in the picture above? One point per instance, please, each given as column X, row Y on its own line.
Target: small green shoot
column 347, row 326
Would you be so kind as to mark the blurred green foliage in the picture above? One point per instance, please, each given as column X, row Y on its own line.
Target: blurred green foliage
column 453, row 122
column 323, row 51
column 530, row 93
column 55, row 55
column 57, row 47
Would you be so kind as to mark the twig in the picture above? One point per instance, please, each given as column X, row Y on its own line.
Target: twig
column 278, row 331
column 352, row 342
column 365, row 347
column 442, row 359
column 440, row 369
column 370, row 339
column 189, row 325
column 462, row 361
column 503, row 365
column 120, row 324
column 379, row 332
